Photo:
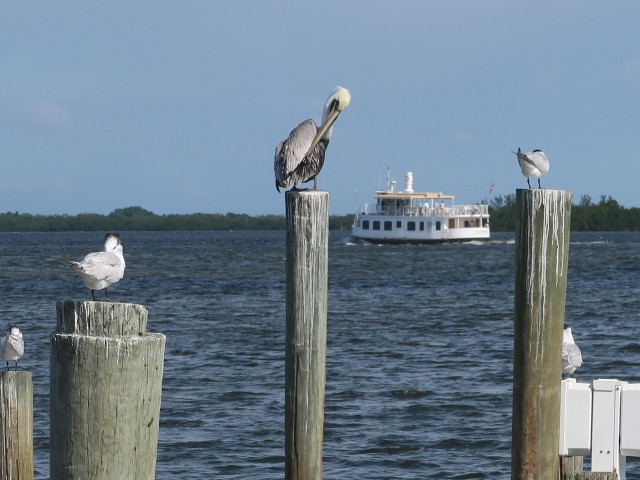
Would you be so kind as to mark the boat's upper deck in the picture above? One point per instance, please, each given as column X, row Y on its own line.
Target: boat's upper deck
column 429, row 210
column 412, row 196
column 420, row 204
column 408, row 203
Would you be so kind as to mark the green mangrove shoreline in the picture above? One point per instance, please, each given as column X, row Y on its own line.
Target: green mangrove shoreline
column 605, row 215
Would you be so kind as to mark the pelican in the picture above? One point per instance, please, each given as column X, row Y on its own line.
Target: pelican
column 533, row 164
column 571, row 355
column 300, row 157
column 99, row 270
column 13, row 346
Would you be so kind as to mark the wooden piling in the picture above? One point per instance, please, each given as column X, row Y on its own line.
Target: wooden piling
column 571, row 465
column 542, row 252
column 106, row 384
column 306, row 337
column 591, row 476
column 16, row 422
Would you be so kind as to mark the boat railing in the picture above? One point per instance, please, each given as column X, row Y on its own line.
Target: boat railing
column 447, row 210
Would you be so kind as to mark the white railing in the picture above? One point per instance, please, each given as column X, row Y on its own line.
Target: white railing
column 446, row 211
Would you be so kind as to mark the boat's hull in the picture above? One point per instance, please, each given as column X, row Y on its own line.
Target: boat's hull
column 406, row 240
column 389, row 229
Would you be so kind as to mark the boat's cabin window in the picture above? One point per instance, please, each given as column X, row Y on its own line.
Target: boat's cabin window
column 471, row 223
column 388, row 225
column 399, row 224
column 438, row 225
column 365, row 225
column 422, row 226
column 411, row 226
column 376, row 225
column 392, row 206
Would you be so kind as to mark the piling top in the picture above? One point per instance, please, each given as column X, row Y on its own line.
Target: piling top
column 15, row 376
column 100, row 319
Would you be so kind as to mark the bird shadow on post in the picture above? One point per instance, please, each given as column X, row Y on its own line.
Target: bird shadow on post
column 306, row 337
column 542, row 252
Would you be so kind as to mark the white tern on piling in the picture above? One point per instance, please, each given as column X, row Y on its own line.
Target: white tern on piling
column 99, row 270
column 300, row 157
column 13, row 347
column 533, row 164
column 571, row 355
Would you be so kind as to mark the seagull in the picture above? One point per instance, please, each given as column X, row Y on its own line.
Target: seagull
column 300, row 157
column 533, row 164
column 571, row 355
column 99, row 270
column 13, row 346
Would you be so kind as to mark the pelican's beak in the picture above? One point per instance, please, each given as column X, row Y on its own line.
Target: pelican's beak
column 331, row 118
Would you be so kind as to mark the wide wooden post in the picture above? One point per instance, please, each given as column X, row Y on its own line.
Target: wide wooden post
column 106, row 384
column 16, row 422
column 542, row 253
column 306, row 339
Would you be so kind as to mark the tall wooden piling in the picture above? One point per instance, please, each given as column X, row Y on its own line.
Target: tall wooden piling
column 16, row 422
column 306, row 339
column 106, row 384
column 542, row 253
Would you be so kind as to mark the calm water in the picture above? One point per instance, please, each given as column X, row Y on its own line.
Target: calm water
column 419, row 350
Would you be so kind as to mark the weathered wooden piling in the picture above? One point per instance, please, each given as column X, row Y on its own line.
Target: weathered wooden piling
column 106, row 384
column 306, row 338
column 542, row 252
column 571, row 465
column 591, row 476
column 571, row 468
column 16, row 422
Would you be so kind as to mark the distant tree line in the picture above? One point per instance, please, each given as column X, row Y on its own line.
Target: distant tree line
column 139, row 219
column 605, row 216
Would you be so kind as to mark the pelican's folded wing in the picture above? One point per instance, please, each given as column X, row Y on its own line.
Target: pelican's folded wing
column 292, row 151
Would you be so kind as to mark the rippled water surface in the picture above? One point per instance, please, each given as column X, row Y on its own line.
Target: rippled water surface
column 419, row 353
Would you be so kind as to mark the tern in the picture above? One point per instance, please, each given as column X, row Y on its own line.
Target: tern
column 571, row 355
column 13, row 346
column 300, row 157
column 99, row 270
column 533, row 164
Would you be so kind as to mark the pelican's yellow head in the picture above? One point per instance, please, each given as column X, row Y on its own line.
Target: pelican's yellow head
column 337, row 101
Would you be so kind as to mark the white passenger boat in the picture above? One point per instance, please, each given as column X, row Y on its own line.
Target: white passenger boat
column 410, row 217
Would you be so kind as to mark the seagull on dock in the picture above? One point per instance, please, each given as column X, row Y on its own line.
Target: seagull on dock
column 300, row 157
column 99, row 270
column 13, row 347
column 533, row 164
column 571, row 355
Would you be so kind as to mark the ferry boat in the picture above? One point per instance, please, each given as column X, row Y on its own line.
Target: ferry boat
column 410, row 217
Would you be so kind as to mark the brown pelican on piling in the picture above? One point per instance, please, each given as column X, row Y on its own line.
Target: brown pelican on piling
column 300, row 157
column 533, row 164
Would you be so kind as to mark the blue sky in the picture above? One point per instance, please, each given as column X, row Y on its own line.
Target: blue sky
column 176, row 106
